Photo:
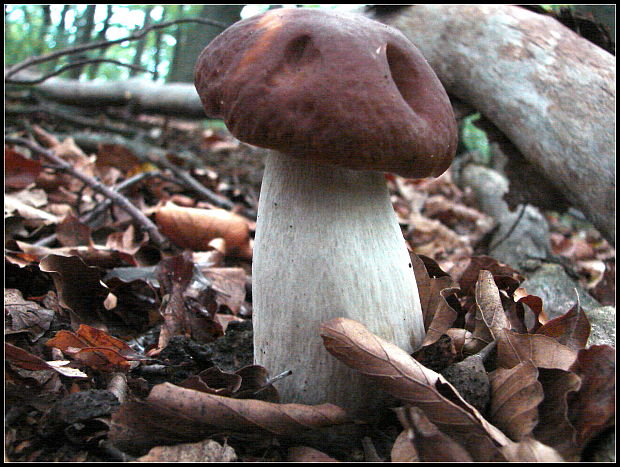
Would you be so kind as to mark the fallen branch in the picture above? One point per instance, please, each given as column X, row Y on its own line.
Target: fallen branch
column 550, row 91
column 157, row 156
column 138, row 216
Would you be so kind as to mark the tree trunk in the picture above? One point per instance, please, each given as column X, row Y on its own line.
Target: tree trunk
column 196, row 37
column 140, row 46
column 550, row 91
column 83, row 35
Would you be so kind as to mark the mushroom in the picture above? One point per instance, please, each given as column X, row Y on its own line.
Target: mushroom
column 339, row 99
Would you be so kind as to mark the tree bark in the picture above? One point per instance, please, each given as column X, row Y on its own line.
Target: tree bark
column 550, row 91
column 196, row 37
column 141, row 94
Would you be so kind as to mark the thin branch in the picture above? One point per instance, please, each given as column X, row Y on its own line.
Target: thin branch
column 95, row 45
column 138, row 216
column 510, row 230
column 199, row 188
column 90, row 217
column 76, row 64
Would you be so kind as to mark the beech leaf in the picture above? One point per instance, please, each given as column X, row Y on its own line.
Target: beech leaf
column 571, row 329
column 543, row 351
column 515, row 396
column 194, row 228
column 246, row 415
column 425, row 440
column 394, row 371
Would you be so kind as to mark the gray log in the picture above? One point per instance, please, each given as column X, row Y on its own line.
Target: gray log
column 549, row 90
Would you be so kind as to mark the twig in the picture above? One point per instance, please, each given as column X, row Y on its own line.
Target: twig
column 511, row 230
column 73, row 65
column 199, row 188
column 95, row 45
column 138, row 216
column 90, row 217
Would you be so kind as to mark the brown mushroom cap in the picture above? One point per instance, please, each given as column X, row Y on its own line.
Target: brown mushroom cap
column 334, row 88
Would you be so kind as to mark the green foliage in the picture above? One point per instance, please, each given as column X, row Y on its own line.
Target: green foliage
column 474, row 139
column 26, row 35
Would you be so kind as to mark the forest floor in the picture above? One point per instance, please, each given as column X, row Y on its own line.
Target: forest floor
column 110, row 327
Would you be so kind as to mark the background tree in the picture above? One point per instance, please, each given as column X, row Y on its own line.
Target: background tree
column 193, row 38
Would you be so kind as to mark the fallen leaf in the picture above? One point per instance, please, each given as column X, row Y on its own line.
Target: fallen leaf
column 71, row 232
column 593, row 407
column 25, row 315
column 23, row 359
column 554, row 428
column 194, row 228
column 307, row 454
column 395, row 372
column 571, row 329
column 95, row 348
column 19, row 171
column 523, row 305
column 204, row 451
column 490, row 304
column 515, row 396
column 172, row 414
column 229, row 286
column 542, row 351
column 429, row 444
column 79, row 288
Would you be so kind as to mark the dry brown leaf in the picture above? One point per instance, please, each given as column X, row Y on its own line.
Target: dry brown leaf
column 509, row 278
column 490, row 304
column 394, row 371
column 518, row 313
column 95, row 348
column 204, row 451
column 25, row 315
column 19, row 171
column 593, row 408
column 425, row 440
column 79, row 288
column 71, row 232
column 571, row 329
column 515, row 396
column 229, row 285
column 194, row 228
column 246, row 415
column 542, row 351
column 439, row 316
column 34, row 215
column 307, row 454
column 554, row 428
column 22, row 359
column 531, row 450
column 403, row 449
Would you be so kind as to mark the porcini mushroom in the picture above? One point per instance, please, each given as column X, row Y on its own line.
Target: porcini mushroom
column 340, row 99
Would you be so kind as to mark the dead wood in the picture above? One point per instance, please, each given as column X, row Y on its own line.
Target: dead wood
column 140, row 95
column 549, row 90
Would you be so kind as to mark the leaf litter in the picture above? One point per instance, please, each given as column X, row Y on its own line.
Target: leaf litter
column 93, row 301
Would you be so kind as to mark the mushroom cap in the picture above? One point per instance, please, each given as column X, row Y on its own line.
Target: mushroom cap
column 333, row 88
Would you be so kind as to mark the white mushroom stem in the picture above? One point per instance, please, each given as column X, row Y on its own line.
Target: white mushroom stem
column 328, row 244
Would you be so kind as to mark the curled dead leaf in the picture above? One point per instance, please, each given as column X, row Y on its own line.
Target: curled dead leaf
column 194, row 228
column 394, row 371
column 246, row 415
column 423, row 439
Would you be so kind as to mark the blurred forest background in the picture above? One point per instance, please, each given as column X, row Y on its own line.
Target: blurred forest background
column 166, row 54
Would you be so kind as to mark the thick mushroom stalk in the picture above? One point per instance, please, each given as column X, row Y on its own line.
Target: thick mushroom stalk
column 328, row 244
column 340, row 99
